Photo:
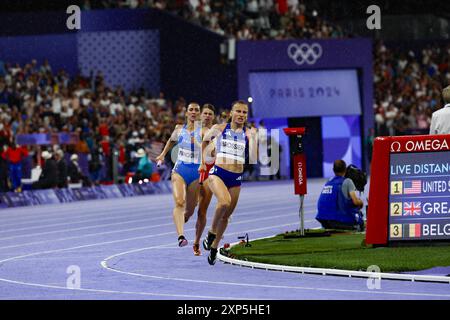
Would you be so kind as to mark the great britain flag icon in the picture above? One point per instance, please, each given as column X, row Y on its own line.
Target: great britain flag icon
column 412, row 208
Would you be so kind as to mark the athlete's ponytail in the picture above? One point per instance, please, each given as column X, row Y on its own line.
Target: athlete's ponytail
column 209, row 106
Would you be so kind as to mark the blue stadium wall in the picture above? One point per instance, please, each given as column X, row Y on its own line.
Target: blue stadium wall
column 135, row 48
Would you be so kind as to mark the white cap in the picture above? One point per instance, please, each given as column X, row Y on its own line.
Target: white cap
column 60, row 153
column 140, row 153
column 46, row 155
column 73, row 157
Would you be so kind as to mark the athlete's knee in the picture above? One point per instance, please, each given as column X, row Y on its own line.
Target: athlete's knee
column 224, row 204
column 179, row 203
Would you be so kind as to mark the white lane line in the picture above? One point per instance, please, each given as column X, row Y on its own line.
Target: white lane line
column 93, row 215
column 104, row 264
column 9, row 259
column 171, row 244
column 54, row 210
column 124, row 292
column 153, row 294
column 24, row 213
column 43, row 216
column 141, row 228
column 82, row 228
column 93, row 212
column 108, row 217
column 147, row 214
column 98, row 226
column 86, row 236
column 267, row 286
column 97, row 244
column 111, row 213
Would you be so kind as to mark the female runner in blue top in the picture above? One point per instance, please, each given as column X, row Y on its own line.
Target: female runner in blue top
column 233, row 143
column 185, row 172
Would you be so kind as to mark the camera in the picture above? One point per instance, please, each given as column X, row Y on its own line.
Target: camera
column 358, row 177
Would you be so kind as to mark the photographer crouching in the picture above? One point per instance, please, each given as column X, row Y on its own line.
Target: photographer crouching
column 339, row 207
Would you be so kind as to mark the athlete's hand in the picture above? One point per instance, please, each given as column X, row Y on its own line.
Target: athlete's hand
column 202, row 168
column 160, row 158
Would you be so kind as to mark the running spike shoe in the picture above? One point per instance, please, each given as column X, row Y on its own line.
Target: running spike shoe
column 212, row 256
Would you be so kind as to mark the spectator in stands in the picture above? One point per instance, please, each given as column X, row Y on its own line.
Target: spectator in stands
column 15, row 155
column 75, row 174
column 391, row 113
column 145, row 166
column 108, row 157
column 81, row 146
column 5, row 134
column 338, row 205
column 49, row 175
column 4, row 171
column 95, row 165
column 440, row 121
column 62, row 168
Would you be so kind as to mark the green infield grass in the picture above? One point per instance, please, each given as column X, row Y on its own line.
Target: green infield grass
column 342, row 250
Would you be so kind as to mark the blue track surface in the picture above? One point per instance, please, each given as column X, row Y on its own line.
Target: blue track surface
column 127, row 249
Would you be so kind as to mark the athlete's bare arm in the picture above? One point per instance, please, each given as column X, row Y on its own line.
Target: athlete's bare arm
column 215, row 130
column 170, row 143
column 207, row 138
column 210, row 148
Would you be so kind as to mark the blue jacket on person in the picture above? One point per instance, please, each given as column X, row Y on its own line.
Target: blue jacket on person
column 333, row 205
column 145, row 166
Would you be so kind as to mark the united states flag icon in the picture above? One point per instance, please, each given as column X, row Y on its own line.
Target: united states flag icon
column 412, row 187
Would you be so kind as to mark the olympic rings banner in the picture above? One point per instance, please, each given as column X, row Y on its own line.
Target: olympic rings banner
column 305, row 78
column 55, row 196
column 304, row 53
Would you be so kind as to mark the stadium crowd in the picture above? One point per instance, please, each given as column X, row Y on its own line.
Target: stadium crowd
column 243, row 19
column 407, row 84
column 34, row 98
column 408, row 88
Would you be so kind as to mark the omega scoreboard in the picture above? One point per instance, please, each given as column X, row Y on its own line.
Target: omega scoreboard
column 409, row 197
